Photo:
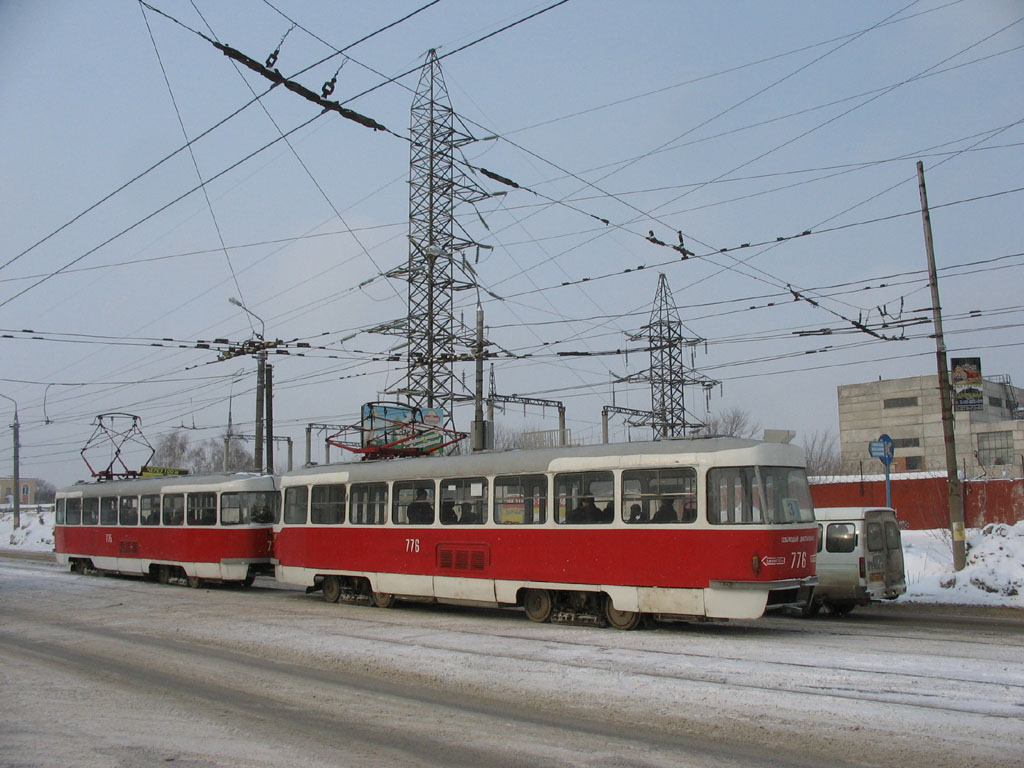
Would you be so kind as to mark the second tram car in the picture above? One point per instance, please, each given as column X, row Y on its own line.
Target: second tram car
column 192, row 528
column 718, row 528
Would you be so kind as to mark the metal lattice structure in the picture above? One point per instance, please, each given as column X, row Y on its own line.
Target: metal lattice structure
column 669, row 373
column 436, row 268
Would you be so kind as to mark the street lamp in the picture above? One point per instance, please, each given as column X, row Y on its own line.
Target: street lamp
column 17, row 465
column 262, row 393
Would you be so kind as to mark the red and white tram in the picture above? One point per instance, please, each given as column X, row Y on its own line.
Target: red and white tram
column 712, row 528
column 212, row 527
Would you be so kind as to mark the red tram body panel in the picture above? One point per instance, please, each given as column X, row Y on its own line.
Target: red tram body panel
column 736, row 532
column 215, row 527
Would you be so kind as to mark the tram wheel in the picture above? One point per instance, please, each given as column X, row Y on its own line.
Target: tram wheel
column 537, row 603
column 383, row 599
column 163, row 574
column 620, row 619
column 193, row 581
column 331, row 589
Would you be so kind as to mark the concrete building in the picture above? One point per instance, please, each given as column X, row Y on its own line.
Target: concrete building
column 28, row 490
column 989, row 441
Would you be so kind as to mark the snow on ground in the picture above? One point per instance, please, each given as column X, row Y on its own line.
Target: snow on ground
column 994, row 574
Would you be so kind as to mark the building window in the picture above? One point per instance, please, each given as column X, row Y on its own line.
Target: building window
column 995, row 448
column 906, row 442
column 900, row 402
column 914, row 463
column 996, row 402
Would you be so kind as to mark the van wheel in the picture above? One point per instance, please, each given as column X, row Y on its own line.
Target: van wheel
column 842, row 607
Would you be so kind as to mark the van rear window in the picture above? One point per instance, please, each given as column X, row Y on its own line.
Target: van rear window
column 876, row 537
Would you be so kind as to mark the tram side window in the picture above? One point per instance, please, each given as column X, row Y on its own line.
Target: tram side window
column 108, row 510
column 74, row 512
column 659, row 495
column 733, row 497
column 412, row 503
column 327, row 505
column 90, row 511
column 128, row 513
column 520, row 499
column 202, row 508
column 841, row 537
column 149, row 510
column 464, row 501
column 584, row 498
column 60, row 512
column 295, row 499
column 174, row 509
column 368, row 504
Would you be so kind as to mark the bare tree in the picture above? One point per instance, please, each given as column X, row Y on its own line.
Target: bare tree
column 735, row 422
column 174, row 450
column 823, row 459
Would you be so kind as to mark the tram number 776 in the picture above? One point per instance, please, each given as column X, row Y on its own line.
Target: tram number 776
column 798, row 560
column 412, row 545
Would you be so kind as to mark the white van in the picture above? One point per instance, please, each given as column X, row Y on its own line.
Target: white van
column 860, row 558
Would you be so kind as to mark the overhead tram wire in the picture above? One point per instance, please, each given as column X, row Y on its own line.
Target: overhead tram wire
column 195, row 163
column 202, row 134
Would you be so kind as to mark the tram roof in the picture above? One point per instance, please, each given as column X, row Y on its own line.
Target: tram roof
column 570, row 458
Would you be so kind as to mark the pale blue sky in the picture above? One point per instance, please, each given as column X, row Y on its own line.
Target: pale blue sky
column 732, row 122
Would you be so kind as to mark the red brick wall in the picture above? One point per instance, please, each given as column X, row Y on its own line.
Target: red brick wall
column 922, row 503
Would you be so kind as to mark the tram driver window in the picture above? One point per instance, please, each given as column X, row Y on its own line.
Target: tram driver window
column 412, row 503
column 520, row 500
column 174, row 509
column 60, row 512
column 249, row 507
column 659, row 496
column 584, row 498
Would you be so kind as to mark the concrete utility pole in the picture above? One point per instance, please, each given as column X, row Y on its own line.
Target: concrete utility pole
column 17, row 465
column 263, row 396
column 956, row 499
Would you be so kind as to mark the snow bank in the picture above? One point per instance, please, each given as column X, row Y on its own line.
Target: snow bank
column 35, row 534
column 994, row 574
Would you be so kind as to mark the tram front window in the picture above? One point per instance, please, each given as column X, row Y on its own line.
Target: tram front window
column 758, row 496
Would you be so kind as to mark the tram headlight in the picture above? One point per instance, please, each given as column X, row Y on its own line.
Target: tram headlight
column 755, row 564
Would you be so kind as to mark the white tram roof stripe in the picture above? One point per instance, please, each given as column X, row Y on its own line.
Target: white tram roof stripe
column 224, row 481
column 718, row 451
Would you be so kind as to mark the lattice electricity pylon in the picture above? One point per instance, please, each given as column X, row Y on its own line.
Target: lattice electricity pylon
column 117, row 438
column 669, row 375
column 436, row 267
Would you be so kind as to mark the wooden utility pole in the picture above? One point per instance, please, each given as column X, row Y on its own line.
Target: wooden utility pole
column 956, row 499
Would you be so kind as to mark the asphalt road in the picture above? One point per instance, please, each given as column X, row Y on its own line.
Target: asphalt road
column 120, row 672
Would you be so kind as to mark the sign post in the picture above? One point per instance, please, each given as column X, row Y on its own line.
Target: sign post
column 883, row 449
